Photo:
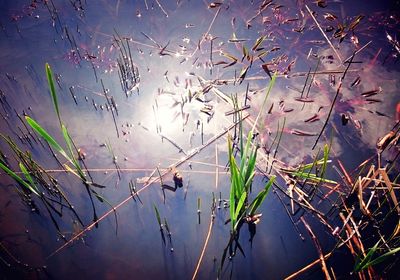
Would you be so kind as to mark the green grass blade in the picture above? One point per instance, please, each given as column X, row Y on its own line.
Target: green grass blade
column 28, row 176
column 381, row 258
column 18, row 179
column 311, row 176
column 311, row 165
column 237, row 182
column 232, row 165
column 68, row 141
column 250, row 170
column 249, row 181
column 270, row 86
column 244, row 158
column 261, row 196
column 362, row 265
column 42, row 132
column 240, row 204
column 236, row 178
column 53, row 93
column 198, row 204
column 232, row 205
column 157, row 215
column 325, row 159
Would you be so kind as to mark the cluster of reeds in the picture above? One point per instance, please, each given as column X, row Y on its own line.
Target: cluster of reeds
column 243, row 209
column 128, row 72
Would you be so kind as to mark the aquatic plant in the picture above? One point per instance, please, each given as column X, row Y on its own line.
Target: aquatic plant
column 71, row 147
column 241, row 179
column 241, row 207
column 368, row 261
column 304, row 171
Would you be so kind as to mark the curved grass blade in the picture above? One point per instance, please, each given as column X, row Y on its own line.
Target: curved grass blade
column 53, row 93
column 18, row 179
column 42, row 132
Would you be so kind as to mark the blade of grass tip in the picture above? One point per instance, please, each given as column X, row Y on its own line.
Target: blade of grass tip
column 250, row 171
column 42, row 132
column 18, row 179
column 244, row 158
column 53, row 93
column 198, row 205
column 280, row 137
column 28, row 177
column 271, row 84
column 158, row 216
column 103, row 199
column 261, row 196
column 241, row 134
column 326, row 155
